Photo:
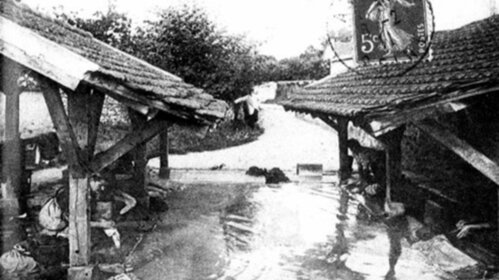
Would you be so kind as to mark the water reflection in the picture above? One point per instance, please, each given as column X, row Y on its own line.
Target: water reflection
column 310, row 231
column 340, row 247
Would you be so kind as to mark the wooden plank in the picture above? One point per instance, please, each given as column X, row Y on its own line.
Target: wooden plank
column 126, row 144
column 164, row 169
column 60, row 120
column 42, row 55
column 460, row 147
column 343, row 147
column 79, row 192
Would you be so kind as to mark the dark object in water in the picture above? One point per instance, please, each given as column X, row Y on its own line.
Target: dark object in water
column 218, row 167
column 256, row 171
column 273, row 176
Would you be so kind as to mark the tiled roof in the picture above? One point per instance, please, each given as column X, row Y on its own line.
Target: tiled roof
column 140, row 77
column 464, row 60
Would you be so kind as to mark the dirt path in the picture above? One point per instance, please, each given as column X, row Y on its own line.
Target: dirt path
column 288, row 140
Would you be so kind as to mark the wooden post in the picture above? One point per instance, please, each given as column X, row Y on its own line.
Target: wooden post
column 79, row 193
column 140, row 160
column 343, row 148
column 393, row 160
column 164, row 171
column 12, row 169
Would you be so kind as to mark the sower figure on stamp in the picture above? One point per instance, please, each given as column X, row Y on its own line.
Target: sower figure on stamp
column 393, row 37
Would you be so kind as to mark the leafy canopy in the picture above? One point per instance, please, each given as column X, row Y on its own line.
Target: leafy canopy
column 187, row 43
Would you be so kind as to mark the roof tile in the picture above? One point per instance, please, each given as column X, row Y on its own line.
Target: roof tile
column 460, row 56
column 137, row 75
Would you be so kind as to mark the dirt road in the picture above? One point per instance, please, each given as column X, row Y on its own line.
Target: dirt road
column 288, row 139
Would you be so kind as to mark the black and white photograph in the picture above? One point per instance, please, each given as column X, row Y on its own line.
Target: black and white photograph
column 249, row 140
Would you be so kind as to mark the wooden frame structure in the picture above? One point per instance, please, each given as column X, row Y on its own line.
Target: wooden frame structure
column 77, row 129
column 70, row 61
column 377, row 99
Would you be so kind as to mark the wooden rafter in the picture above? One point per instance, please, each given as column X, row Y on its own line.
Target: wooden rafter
column 119, row 91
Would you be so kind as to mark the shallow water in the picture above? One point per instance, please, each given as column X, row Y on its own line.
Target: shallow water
column 309, row 231
column 305, row 230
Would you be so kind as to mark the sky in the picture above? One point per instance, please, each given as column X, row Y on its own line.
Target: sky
column 283, row 28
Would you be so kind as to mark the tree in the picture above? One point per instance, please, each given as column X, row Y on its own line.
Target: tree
column 307, row 66
column 185, row 42
column 112, row 27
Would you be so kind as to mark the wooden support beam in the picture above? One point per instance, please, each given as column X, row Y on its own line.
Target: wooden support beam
column 12, row 169
column 329, row 122
column 460, row 147
column 60, row 120
column 129, row 142
column 140, row 159
column 79, row 191
column 343, row 148
column 12, row 162
column 95, row 111
column 393, row 160
column 164, row 170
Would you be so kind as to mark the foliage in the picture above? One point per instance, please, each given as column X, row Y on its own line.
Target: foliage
column 307, row 66
column 111, row 27
column 187, row 43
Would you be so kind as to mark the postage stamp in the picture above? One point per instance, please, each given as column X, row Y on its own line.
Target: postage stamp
column 390, row 30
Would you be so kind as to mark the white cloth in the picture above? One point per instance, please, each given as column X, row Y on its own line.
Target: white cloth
column 252, row 102
column 50, row 216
